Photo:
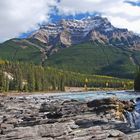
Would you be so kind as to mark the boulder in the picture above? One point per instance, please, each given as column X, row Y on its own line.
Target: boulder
column 50, row 107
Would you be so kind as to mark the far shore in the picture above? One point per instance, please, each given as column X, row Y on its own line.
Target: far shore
column 55, row 93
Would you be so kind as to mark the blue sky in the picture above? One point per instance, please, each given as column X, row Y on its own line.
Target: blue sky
column 55, row 17
column 20, row 18
column 133, row 3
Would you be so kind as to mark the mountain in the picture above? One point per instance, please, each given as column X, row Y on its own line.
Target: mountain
column 92, row 45
column 72, row 32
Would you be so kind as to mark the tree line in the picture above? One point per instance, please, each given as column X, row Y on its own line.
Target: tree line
column 28, row 77
column 137, row 81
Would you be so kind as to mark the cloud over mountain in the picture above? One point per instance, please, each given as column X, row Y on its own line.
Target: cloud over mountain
column 17, row 16
column 120, row 12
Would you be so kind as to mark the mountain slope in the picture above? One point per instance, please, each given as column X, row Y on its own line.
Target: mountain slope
column 96, row 58
column 21, row 50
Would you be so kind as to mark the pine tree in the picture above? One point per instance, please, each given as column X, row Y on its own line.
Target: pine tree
column 137, row 81
column 31, row 79
column 1, row 81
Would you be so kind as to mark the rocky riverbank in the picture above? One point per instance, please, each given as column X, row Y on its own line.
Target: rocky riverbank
column 48, row 118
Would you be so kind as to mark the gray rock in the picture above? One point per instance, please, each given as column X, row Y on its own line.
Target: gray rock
column 29, row 118
column 53, row 130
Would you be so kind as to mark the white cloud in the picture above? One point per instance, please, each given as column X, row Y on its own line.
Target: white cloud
column 120, row 13
column 18, row 16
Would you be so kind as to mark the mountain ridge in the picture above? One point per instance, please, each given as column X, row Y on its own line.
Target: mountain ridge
column 72, row 32
column 92, row 46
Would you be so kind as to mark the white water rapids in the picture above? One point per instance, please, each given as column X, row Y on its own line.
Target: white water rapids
column 133, row 118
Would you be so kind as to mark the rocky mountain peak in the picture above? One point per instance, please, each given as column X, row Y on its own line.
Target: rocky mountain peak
column 69, row 32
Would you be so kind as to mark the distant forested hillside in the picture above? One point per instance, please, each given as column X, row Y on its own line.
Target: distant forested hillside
column 94, row 58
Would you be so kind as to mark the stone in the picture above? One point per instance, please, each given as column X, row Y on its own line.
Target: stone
column 49, row 107
column 47, row 118
column 138, row 99
column 115, row 133
column 53, row 130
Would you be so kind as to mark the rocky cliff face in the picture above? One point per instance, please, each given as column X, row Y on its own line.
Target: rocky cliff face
column 70, row 32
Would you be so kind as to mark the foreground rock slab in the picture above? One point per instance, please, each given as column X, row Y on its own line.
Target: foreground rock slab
column 37, row 118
